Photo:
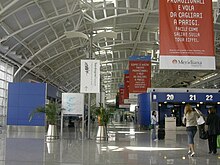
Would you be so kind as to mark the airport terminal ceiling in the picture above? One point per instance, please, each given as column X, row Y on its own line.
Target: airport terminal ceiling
column 32, row 35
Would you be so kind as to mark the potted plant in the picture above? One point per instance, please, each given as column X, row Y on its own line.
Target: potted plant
column 103, row 116
column 51, row 110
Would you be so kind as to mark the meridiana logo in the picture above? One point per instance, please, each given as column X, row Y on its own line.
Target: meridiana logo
column 187, row 62
column 174, row 61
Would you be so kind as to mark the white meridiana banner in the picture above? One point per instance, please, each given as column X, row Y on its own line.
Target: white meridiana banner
column 90, row 76
column 187, row 62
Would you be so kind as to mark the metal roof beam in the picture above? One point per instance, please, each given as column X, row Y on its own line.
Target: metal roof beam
column 34, row 55
column 8, row 6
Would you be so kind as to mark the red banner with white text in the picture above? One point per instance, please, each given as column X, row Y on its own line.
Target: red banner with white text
column 121, row 96
column 186, row 35
column 126, row 86
column 139, row 75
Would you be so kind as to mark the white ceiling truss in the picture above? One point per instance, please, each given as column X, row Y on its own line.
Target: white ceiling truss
column 32, row 36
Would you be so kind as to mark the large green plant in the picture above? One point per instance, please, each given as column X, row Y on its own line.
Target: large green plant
column 52, row 110
column 103, row 114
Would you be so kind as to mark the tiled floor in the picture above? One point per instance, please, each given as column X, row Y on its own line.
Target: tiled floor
column 125, row 146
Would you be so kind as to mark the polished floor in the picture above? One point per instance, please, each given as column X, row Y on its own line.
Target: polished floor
column 127, row 145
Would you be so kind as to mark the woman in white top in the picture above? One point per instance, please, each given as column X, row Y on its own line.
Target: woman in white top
column 191, row 126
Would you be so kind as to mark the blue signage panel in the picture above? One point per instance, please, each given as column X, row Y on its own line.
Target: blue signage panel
column 185, row 97
column 140, row 58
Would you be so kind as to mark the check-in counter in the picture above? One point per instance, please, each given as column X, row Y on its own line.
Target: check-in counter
column 170, row 123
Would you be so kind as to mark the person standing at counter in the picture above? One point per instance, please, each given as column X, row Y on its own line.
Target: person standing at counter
column 153, row 124
column 213, row 130
column 190, row 118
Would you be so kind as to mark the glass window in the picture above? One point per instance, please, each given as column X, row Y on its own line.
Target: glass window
column 1, row 83
column 3, row 102
column 2, row 75
column 2, row 66
column 9, row 78
column 10, row 69
column 1, row 92
column 6, row 75
column 1, row 110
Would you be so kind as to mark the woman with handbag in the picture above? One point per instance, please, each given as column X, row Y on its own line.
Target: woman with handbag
column 191, row 127
column 213, row 130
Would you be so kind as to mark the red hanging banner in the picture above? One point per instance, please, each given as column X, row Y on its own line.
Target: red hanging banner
column 139, row 75
column 186, row 35
column 121, row 96
column 126, row 86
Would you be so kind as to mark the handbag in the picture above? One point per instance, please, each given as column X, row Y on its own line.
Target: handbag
column 200, row 120
column 203, row 134
column 184, row 120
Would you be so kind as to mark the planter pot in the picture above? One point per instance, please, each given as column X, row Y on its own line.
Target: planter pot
column 50, row 147
column 51, row 133
column 102, row 133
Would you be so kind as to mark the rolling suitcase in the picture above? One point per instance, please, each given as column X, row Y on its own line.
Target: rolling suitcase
column 161, row 133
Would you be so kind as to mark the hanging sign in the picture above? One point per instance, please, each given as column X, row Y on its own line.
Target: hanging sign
column 90, row 76
column 126, row 86
column 121, row 95
column 186, row 35
column 139, row 75
column 73, row 103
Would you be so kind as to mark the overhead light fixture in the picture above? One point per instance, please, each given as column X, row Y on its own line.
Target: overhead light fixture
column 107, row 47
column 30, row 63
column 74, row 34
column 109, row 27
column 157, row 43
column 3, row 48
column 105, row 34
column 13, row 53
column 205, row 78
column 195, row 82
column 4, row 38
column 154, row 63
column 19, row 56
column 209, row 76
column 96, row 1
column 68, row 22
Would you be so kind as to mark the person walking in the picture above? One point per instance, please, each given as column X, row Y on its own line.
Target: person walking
column 153, row 124
column 213, row 130
column 190, row 118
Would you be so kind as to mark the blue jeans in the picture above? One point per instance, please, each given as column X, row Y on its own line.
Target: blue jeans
column 154, row 132
column 191, row 131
